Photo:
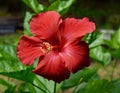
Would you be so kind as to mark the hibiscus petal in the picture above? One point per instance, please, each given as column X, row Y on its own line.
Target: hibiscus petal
column 52, row 67
column 46, row 26
column 72, row 28
column 76, row 56
column 28, row 49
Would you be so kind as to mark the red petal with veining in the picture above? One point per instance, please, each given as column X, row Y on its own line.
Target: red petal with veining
column 28, row 49
column 72, row 28
column 46, row 26
column 52, row 67
column 76, row 56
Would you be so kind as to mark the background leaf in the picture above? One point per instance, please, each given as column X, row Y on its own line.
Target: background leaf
column 34, row 5
column 25, row 75
column 99, row 86
column 61, row 6
column 115, row 86
column 114, row 42
column 80, row 88
column 47, row 85
column 94, row 86
column 27, row 88
column 115, row 53
column 101, row 55
column 94, row 39
column 26, row 24
column 10, row 65
column 115, row 39
column 76, row 78
column 98, row 41
column 8, row 59
column 10, row 87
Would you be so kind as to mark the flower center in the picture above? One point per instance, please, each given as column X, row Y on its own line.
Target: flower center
column 45, row 47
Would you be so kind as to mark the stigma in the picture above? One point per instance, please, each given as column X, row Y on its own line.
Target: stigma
column 45, row 47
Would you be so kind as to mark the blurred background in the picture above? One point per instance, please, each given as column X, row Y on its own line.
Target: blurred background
column 105, row 13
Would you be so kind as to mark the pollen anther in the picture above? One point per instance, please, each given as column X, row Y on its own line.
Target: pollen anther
column 46, row 47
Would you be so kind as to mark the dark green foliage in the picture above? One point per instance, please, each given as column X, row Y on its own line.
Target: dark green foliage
column 75, row 79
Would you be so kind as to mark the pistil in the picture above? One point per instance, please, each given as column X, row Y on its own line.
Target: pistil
column 46, row 47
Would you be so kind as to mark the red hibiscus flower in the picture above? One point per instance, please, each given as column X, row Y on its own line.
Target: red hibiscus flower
column 57, row 44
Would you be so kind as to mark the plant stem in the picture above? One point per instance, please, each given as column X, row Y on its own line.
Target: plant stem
column 39, row 87
column 55, row 87
column 113, row 70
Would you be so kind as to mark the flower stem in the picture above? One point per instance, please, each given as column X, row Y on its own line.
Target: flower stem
column 55, row 87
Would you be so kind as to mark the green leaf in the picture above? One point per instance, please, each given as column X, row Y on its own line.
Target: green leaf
column 99, row 86
column 115, row 39
column 10, row 65
column 23, row 88
column 115, row 87
column 114, row 42
column 61, row 6
column 5, row 83
column 101, row 55
column 98, row 41
column 25, row 75
column 94, row 39
column 26, row 24
column 115, row 53
column 8, row 59
column 34, row 5
column 10, row 87
column 76, row 78
column 108, row 43
column 80, row 88
column 45, row 84
column 93, row 86
column 32, row 89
